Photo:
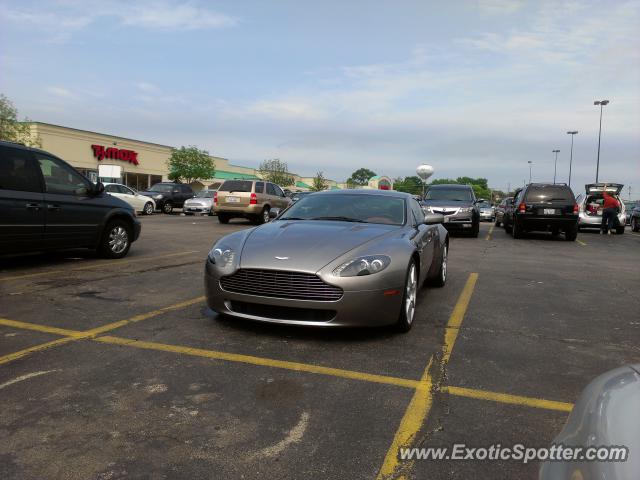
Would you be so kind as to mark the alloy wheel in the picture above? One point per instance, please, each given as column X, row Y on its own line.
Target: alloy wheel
column 118, row 239
column 148, row 209
column 410, row 294
column 443, row 268
column 265, row 215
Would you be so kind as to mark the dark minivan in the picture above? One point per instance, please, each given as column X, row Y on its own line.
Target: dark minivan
column 45, row 204
column 545, row 207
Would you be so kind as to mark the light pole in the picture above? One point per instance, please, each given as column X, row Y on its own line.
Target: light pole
column 555, row 165
column 571, row 157
column 529, row 162
column 602, row 103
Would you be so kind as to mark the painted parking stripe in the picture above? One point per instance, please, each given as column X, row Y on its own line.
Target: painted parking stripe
column 581, row 243
column 95, row 265
column 508, row 398
column 418, row 409
column 488, row 237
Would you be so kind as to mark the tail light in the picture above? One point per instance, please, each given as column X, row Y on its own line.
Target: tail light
column 254, row 199
column 575, row 208
column 522, row 207
column 215, row 198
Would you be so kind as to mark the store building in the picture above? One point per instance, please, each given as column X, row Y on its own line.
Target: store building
column 140, row 164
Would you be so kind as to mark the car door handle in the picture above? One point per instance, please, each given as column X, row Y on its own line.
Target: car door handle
column 53, row 208
column 34, row 206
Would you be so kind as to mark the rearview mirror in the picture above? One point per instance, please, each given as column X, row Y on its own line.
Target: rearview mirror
column 433, row 218
column 273, row 213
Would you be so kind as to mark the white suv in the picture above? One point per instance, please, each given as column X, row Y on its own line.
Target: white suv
column 590, row 205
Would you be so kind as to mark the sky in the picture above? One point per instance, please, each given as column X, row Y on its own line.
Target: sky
column 474, row 88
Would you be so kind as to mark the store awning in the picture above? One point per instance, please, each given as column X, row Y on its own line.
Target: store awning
column 222, row 175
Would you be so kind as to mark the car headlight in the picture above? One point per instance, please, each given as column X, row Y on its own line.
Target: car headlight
column 222, row 256
column 157, row 197
column 367, row 265
column 465, row 209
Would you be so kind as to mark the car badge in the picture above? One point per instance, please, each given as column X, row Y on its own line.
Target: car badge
column 282, row 258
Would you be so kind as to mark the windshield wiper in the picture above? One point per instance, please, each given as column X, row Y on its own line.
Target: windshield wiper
column 340, row 219
column 292, row 218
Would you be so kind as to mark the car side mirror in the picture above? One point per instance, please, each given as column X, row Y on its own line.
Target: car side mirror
column 98, row 188
column 433, row 218
column 273, row 213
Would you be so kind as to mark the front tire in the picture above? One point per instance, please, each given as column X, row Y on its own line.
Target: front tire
column 408, row 308
column 222, row 218
column 167, row 208
column 148, row 208
column 116, row 240
column 475, row 231
column 441, row 279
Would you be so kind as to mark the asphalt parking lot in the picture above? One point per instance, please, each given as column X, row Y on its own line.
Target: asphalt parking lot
column 115, row 369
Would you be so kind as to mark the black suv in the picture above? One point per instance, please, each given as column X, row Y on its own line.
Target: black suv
column 45, row 204
column 169, row 195
column 543, row 207
column 458, row 204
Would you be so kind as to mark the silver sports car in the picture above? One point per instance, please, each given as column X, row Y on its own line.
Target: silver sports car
column 337, row 258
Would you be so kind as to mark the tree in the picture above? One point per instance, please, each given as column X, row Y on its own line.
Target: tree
column 412, row 185
column 13, row 130
column 361, row 176
column 276, row 171
column 188, row 164
column 319, row 182
column 479, row 185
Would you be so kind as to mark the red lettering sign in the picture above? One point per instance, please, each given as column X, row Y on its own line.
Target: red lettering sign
column 122, row 154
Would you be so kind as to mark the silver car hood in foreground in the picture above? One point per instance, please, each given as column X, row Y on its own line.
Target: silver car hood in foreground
column 306, row 245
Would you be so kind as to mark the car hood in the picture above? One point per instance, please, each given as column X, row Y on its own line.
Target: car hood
column 200, row 201
column 446, row 203
column 306, row 245
column 147, row 193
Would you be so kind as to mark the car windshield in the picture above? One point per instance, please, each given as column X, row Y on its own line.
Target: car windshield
column 161, row 188
column 450, row 194
column 548, row 193
column 236, row 186
column 204, row 194
column 359, row 208
column 484, row 205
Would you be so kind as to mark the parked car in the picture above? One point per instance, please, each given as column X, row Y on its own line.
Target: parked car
column 201, row 203
column 334, row 258
column 590, row 205
column 501, row 208
column 487, row 211
column 628, row 208
column 635, row 219
column 252, row 199
column 45, row 204
column 605, row 415
column 295, row 196
column 543, row 207
column 140, row 203
column 169, row 195
column 458, row 204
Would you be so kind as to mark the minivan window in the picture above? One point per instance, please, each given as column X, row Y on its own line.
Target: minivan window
column 236, row 186
column 278, row 191
column 17, row 171
column 259, row 187
column 270, row 189
column 60, row 178
column 161, row 187
column 548, row 193
column 450, row 194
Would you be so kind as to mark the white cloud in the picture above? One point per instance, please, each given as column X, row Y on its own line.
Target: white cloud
column 60, row 92
column 495, row 7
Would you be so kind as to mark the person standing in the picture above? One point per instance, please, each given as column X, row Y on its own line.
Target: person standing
column 609, row 212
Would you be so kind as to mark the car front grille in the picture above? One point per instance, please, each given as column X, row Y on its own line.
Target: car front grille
column 445, row 212
column 280, row 284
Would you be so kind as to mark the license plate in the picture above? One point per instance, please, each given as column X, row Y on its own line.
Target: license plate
column 549, row 211
column 233, row 199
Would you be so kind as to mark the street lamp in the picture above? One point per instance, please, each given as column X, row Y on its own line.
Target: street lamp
column 529, row 162
column 602, row 103
column 571, row 157
column 555, row 165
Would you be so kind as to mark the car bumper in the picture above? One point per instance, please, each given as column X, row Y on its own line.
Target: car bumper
column 486, row 216
column 455, row 223
column 240, row 210
column 137, row 228
column 353, row 309
column 196, row 209
column 546, row 223
column 595, row 221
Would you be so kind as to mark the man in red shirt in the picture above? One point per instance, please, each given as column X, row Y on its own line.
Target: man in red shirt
column 609, row 212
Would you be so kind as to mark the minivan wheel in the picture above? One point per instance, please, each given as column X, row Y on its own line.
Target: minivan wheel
column 116, row 240
column 264, row 216
column 408, row 307
column 148, row 208
column 167, row 208
column 222, row 218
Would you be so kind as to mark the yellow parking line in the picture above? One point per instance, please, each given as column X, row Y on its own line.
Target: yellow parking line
column 96, row 265
column 261, row 361
column 420, row 405
column 488, row 237
column 507, row 398
column 581, row 243
column 71, row 335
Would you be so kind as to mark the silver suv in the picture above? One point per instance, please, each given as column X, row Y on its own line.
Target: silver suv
column 590, row 205
column 252, row 199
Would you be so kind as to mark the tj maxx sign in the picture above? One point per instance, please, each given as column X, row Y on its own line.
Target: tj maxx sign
column 101, row 153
